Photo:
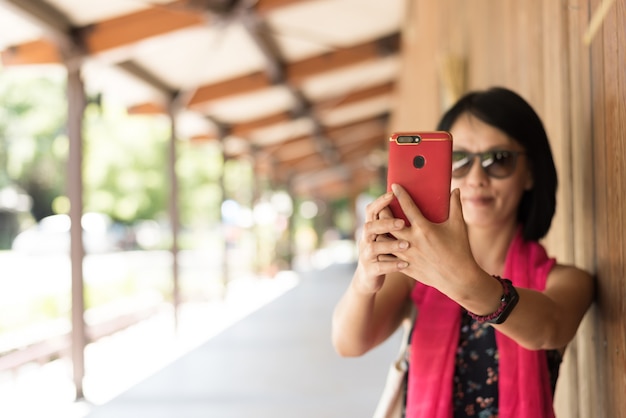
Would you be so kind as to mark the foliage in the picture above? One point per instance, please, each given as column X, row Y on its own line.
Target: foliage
column 198, row 170
column 124, row 163
column 32, row 138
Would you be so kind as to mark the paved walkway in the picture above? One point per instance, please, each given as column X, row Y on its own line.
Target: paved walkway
column 277, row 362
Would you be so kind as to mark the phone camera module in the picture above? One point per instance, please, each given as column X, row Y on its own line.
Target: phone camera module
column 409, row 139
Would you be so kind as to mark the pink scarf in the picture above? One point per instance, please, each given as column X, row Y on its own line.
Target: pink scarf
column 523, row 382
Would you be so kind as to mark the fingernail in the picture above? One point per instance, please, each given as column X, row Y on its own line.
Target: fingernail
column 398, row 223
column 403, row 244
column 394, row 188
column 403, row 265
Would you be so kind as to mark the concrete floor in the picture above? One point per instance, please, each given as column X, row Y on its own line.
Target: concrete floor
column 277, row 362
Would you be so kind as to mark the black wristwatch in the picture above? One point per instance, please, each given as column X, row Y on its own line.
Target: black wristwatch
column 507, row 302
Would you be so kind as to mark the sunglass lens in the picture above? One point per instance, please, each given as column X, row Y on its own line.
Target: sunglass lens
column 461, row 163
column 499, row 164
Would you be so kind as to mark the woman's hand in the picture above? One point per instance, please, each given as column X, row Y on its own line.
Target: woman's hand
column 376, row 246
column 438, row 255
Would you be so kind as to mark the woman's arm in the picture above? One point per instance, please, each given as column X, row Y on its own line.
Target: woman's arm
column 375, row 302
column 439, row 255
column 541, row 320
column 363, row 320
column 549, row 319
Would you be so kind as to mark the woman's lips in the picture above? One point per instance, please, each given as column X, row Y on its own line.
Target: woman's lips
column 479, row 200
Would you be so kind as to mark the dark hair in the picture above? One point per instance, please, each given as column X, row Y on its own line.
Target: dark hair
column 509, row 112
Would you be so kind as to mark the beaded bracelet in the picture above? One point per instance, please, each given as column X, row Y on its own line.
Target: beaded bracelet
column 507, row 302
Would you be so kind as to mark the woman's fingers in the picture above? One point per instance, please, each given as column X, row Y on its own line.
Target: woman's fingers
column 385, row 213
column 382, row 249
column 374, row 208
column 410, row 209
column 456, row 208
column 378, row 227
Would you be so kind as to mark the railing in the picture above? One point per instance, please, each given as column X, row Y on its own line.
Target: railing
column 52, row 340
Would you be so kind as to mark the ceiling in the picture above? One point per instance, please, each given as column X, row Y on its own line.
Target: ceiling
column 303, row 87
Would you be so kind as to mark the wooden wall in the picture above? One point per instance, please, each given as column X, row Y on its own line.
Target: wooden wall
column 536, row 48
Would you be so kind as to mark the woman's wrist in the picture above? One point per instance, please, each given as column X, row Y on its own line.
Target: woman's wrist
column 479, row 292
column 508, row 300
column 364, row 286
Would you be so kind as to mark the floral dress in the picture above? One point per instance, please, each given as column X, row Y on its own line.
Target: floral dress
column 475, row 389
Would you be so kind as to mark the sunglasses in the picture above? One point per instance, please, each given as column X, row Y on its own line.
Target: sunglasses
column 498, row 164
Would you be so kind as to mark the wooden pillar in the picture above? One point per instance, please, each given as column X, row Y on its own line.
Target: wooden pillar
column 174, row 215
column 76, row 105
column 225, row 232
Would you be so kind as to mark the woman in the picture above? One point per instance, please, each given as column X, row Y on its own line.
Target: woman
column 482, row 346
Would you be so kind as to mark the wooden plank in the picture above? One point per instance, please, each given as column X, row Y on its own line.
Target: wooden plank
column 551, row 94
column 615, row 303
column 600, row 209
column 584, row 390
column 419, row 102
column 480, row 43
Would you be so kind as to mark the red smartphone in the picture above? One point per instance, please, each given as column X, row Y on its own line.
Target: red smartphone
column 421, row 162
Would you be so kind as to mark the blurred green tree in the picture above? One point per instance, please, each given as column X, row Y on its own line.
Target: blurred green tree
column 32, row 137
column 125, row 157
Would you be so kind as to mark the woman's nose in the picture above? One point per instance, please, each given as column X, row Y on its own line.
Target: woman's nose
column 477, row 174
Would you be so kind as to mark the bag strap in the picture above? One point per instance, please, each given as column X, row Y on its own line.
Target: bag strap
column 402, row 361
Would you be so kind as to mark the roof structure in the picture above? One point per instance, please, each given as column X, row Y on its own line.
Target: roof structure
column 304, row 87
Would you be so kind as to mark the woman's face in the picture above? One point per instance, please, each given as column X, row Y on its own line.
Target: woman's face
column 488, row 201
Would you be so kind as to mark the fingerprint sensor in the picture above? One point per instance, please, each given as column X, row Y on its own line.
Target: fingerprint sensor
column 419, row 161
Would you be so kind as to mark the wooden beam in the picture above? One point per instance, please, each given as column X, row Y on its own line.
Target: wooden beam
column 122, row 31
column 147, row 109
column 306, row 164
column 295, row 150
column 126, row 30
column 273, row 148
column 354, row 97
column 296, row 72
column 347, row 134
column 54, row 24
column 341, row 58
column 265, row 6
column 243, row 129
column 333, row 183
column 261, row 34
column 131, row 68
column 231, row 87
column 37, row 52
column 374, row 128
column 357, row 152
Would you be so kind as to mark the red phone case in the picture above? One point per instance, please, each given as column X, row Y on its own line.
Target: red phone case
column 424, row 168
